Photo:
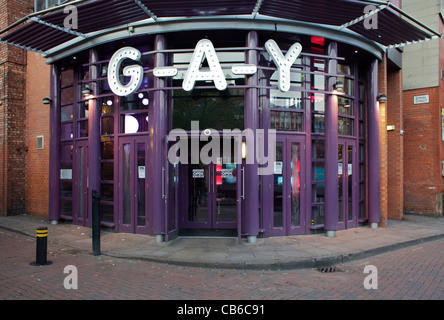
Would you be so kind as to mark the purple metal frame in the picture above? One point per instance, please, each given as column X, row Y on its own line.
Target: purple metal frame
column 54, row 145
column 331, row 146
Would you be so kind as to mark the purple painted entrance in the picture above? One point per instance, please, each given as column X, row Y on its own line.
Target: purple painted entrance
column 132, row 185
column 209, row 192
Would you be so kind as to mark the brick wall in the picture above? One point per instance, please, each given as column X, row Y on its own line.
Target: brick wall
column 37, row 124
column 12, row 114
column 422, row 152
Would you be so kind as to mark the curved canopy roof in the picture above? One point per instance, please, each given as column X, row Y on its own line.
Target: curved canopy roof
column 45, row 30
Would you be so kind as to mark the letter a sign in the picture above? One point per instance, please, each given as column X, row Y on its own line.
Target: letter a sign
column 204, row 48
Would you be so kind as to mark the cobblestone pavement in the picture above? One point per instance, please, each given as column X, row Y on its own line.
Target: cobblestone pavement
column 415, row 272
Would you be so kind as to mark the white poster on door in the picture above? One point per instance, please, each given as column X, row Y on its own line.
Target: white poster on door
column 141, row 172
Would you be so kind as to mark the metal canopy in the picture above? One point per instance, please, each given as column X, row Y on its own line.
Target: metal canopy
column 45, row 30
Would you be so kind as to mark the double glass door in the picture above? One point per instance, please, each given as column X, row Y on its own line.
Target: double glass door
column 347, row 184
column 288, row 188
column 211, row 193
column 132, row 216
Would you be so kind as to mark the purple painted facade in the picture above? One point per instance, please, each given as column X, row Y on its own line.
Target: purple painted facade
column 309, row 189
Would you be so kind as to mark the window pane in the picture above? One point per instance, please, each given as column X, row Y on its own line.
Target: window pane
column 134, row 123
column 67, row 78
column 107, row 106
column 107, row 126
column 66, row 189
column 66, row 153
column 318, row 171
column 107, row 212
column 318, row 193
column 317, row 215
column 278, row 179
column 318, row 123
column 318, row 102
column 107, row 150
column 66, row 131
column 107, row 171
column 345, row 126
column 83, row 109
column 318, row 149
column 107, row 192
column 67, row 114
column 286, row 100
column 287, row 121
column 345, row 106
column 83, row 129
column 66, row 207
column 67, row 95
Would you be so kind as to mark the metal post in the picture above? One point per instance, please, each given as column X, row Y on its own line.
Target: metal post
column 41, row 247
column 158, row 130
column 95, row 223
column 252, row 122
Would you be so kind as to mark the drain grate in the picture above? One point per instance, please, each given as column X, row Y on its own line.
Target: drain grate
column 329, row 269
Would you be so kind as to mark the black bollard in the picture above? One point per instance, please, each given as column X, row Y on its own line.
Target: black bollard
column 41, row 247
column 96, row 223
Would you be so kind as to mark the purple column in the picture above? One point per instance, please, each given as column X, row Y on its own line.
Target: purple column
column 373, row 147
column 54, row 146
column 331, row 148
column 95, row 112
column 252, row 122
column 158, row 134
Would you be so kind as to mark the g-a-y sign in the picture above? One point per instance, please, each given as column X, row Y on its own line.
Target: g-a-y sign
column 204, row 49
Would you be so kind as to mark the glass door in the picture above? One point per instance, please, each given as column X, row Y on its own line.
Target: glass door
column 347, row 186
column 212, row 191
column 132, row 216
column 81, row 185
column 288, row 188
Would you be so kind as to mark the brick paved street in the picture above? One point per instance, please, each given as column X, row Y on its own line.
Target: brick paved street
column 415, row 272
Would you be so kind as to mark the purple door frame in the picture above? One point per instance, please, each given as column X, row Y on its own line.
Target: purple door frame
column 81, row 188
column 135, row 176
column 268, row 206
column 346, row 223
column 54, row 145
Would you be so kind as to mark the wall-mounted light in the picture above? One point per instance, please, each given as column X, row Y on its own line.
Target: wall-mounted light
column 46, row 100
column 382, row 98
column 244, row 150
column 339, row 86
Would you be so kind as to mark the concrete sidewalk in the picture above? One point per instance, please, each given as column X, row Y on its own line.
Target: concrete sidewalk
column 307, row 251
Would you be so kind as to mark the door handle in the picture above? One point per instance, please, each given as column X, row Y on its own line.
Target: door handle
column 163, row 182
column 243, row 183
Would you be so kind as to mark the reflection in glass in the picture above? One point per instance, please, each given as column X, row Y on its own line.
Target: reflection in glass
column 295, row 180
column 340, row 183
column 140, row 184
column 350, row 182
column 278, row 184
column 126, row 183
column 345, row 106
column 286, row 121
column 198, row 194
